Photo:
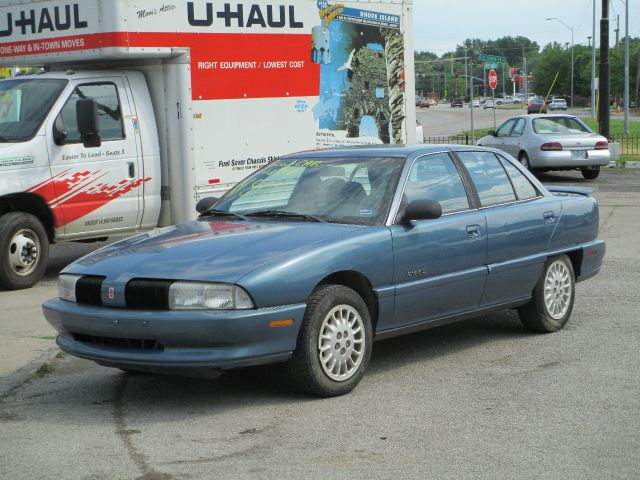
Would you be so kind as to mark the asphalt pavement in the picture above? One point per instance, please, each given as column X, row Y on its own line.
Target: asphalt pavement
column 478, row 399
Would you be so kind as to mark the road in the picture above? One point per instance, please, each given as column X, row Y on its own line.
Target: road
column 442, row 120
column 479, row 399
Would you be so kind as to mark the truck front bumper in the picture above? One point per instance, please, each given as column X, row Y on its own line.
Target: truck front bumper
column 180, row 340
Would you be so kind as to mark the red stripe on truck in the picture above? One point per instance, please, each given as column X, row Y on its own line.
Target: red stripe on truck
column 223, row 65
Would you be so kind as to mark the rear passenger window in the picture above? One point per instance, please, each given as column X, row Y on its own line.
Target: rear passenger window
column 489, row 177
column 523, row 187
column 435, row 177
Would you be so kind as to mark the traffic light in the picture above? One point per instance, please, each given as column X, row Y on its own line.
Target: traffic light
column 515, row 71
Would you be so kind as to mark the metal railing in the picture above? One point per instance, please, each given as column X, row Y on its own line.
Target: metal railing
column 454, row 139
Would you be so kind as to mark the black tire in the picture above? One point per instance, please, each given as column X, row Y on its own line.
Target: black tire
column 535, row 315
column 22, row 232
column 306, row 367
column 590, row 173
column 523, row 158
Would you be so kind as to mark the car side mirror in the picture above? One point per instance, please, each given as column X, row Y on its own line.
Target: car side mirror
column 88, row 122
column 59, row 133
column 492, row 133
column 422, row 210
column 205, row 204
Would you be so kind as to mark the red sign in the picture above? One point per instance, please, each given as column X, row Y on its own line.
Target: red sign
column 493, row 79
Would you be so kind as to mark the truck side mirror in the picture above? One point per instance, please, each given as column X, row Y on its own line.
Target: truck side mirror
column 88, row 122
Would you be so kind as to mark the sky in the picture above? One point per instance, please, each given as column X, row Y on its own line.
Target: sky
column 440, row 26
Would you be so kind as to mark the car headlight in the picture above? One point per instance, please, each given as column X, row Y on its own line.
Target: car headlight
column 208, row 296
column 67, row 286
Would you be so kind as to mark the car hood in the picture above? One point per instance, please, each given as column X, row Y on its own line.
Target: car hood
column 202, row 250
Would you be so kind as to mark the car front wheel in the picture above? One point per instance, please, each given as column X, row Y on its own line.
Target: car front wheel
column 334, row 344
column 550, row 307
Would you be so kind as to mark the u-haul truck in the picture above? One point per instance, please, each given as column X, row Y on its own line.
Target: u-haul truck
column 143, row 107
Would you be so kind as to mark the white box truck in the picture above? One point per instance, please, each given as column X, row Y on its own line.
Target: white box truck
column 143, row 107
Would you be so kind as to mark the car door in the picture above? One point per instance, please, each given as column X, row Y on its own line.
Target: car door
column 439, row 265
column 97, row 189
column 520, row 222
column 498, row 140
column 513, row 143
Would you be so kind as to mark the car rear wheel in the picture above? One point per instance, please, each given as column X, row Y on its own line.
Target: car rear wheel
column 550, row 307
column 590, row 173
column 523, row 158
column 334, row 344
column 24, row 250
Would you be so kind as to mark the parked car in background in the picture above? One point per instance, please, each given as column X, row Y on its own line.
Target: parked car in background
column 315, row 256
column 425, row 103
column 558, row 104
column 457, row 102
column 475, row 102
column 507, row 99
column 489, row 104
column 537, row 105
column 551, row 142
column 419, row 100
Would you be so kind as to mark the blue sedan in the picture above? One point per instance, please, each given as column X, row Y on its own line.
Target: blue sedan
column 312, row 258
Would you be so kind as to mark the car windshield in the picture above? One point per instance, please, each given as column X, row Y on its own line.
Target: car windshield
column 339, row 190
column 24, row 104
column 559, row 125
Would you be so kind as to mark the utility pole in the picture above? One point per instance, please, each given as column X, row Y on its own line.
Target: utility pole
column 604, row 115
column 466, row 72
column 473, row 132
column 593, row 65
column 617, row 30
column 626, row 67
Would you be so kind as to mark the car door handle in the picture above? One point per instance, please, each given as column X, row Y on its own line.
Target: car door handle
column 549, row 217
column 132, row 169
column 473, row 231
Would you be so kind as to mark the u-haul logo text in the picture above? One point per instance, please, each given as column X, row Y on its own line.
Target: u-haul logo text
column 244, row 16
column 32, row 21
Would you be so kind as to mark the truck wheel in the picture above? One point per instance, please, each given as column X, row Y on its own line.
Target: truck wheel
column 24, row 249
column 590, row 173
column 334, row 344
column 550, row 307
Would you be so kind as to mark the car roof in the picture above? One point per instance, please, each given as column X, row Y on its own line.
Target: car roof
column 398, row 151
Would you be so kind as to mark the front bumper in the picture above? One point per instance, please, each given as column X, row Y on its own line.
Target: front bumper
column 562, row 159
column 182, row 339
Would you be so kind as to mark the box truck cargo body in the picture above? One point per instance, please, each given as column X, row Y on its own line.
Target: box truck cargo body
column 144, row 107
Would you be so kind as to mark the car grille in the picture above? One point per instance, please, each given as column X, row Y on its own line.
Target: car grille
column 143, row 294
column 88, row 290
column 130, row 343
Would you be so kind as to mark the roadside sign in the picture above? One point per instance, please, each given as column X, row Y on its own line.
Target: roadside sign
column 493, row 79
column 483, row 57
column 491, row 65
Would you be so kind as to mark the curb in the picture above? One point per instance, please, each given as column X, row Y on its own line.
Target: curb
column 614, row 164
column 23, row 375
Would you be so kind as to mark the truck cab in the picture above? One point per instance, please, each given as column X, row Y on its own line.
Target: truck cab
column 67, row 183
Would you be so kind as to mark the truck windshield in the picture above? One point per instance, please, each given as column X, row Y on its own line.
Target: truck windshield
column 24, row 104
column 340, row 190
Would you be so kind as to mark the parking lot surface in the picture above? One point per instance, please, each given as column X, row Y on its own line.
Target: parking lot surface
column 478, row 399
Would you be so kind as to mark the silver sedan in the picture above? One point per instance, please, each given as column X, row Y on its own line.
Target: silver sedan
column 551, row 142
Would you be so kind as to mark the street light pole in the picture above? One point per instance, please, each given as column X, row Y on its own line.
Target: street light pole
column 626, row 68
column 570, row 28
column 593, row 65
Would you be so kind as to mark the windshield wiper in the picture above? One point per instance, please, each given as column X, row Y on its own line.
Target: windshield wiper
column 222, row 213
column 282, row 213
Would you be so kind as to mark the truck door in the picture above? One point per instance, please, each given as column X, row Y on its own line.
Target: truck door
column 98, row 190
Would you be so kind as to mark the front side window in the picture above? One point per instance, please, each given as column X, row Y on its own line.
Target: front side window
column 24, row 104
column 489, row 177
column 340, row 190
column 109, row 112
column 505, row 129
column 435, row 177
